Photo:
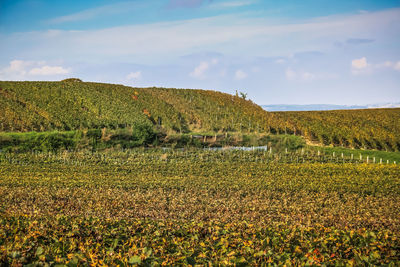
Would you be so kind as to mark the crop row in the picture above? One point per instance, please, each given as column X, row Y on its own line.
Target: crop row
column 195, row 207
column 89, row 241
column 238, row 154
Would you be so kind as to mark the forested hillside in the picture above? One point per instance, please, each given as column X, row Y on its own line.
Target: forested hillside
column 72, row 104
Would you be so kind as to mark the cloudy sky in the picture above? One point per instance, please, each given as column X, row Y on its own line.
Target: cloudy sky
column 289, row 51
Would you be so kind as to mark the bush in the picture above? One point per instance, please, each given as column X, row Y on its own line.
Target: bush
column 143, row 134
column 72, row 80
column 45, row 141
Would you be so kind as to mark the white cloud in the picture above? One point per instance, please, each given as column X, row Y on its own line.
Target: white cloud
column 290, row 74
column 240, row 75
column 389, row 64
column 134, row 75
column 228, row 34
column 304, row 76
column 214, row 61
column 280, row 61
column 199, row 71
column 307, row 76
column 386, row 64
column 361, row 66
column 359, row 63
column 397, row 66
column 21, row 69
column 48, row 70
column 17, row 67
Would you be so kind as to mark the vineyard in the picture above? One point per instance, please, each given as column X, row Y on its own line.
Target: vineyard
column 103, row 174
column 198, row 206
column 43, row 106
column 368, row 129
column 74, row 105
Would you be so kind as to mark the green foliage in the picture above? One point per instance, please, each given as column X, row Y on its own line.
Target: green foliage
column 148, row 242
column 66, row 105
column 283, row 142
column 143, row 134
column 360, row 129
column 72, row 80
column 46, row 141
column 94, row 134
column 181, row 207
column 137, row 135
column 70, row 105
column 218, row 140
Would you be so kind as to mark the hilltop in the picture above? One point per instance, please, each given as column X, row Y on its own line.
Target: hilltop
column 75, row 105
column 71, row 105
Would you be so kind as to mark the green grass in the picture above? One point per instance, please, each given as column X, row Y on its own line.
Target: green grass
column 391, row 156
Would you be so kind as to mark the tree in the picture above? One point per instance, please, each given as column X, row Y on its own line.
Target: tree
column 243, row 95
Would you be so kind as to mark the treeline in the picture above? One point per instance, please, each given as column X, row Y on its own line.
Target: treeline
column 94, row 139
column 137, row 136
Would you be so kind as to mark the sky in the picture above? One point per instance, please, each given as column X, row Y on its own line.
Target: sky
column 293, row 52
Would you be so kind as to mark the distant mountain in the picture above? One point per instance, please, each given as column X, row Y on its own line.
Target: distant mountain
column 385, row 105
column 312, row 107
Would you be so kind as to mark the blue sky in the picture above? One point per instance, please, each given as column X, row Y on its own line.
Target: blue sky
column 295, row 52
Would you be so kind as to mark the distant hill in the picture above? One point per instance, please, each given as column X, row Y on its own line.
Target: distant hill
column 73, row 104
column 315, row 107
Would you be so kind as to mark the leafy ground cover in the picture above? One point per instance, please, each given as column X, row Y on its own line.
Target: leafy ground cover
column 187, row 207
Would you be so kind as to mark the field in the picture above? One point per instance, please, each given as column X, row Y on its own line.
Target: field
column 195, row 206
column 104, row 174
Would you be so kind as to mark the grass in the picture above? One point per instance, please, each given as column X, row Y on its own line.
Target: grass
column 384, row 155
